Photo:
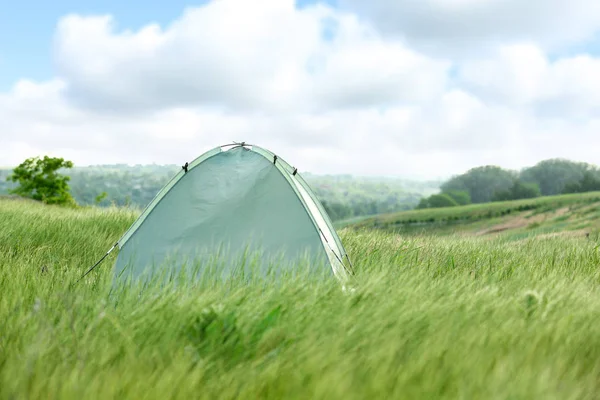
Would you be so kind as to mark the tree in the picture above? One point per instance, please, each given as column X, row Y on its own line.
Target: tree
column 554, row 175
column 519, row 190
column 588, row 183
column 38, row 179
column 481, row 183
column 100, row 197
column 522, row 190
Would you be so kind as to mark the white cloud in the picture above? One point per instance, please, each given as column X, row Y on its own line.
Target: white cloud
column 468, row 26
column 320, row 87
column 241, row 55
column 516, row 74
column 522, row 76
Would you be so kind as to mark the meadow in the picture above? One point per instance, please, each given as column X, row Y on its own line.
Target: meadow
column 431, row 316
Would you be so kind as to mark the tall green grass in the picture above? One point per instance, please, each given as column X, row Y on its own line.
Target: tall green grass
column 430, row 317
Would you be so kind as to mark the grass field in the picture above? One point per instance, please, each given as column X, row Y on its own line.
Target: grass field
column 432, row 316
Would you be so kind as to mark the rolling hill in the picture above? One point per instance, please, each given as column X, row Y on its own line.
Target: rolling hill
column 572, row 214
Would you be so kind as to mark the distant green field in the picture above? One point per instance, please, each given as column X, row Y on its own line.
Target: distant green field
column 431, row 317
column 577, row 211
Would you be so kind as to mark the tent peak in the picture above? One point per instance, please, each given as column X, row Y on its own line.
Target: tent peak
column 234, row 145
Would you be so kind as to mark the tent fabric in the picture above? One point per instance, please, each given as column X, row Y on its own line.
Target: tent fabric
column 232, row 201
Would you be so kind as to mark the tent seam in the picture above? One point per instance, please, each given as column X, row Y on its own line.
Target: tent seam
column 285, row 174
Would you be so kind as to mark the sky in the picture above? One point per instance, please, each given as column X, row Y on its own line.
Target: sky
column 418, row 89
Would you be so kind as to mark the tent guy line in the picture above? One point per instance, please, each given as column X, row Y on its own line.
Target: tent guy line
column 97, row 262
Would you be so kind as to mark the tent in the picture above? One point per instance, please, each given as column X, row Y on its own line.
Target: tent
column 232, row 200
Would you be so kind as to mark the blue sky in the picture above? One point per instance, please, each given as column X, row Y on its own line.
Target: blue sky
column 27, row 29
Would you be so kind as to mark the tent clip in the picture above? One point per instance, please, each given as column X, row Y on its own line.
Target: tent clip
column 295, row 171
column 185, row 167
column 239, row 144
column 274, row 159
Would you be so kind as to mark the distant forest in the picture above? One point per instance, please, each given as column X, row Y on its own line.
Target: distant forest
column 347, row 196
column 492, row 183
column 343, row 196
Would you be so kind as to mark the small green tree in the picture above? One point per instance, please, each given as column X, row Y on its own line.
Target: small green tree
column 100, row 197
column 38, row 179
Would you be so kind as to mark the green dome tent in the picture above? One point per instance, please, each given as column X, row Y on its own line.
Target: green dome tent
column 232, row 200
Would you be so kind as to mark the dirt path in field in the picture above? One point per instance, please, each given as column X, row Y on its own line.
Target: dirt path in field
column 521, row 221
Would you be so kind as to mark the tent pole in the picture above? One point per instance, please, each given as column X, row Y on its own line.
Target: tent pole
column 98, row 262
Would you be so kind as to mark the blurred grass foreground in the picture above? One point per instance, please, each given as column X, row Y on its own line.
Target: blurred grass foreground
column 431, row 317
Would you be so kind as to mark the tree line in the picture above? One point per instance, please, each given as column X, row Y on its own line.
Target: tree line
column 58, row 181
column 492, row 183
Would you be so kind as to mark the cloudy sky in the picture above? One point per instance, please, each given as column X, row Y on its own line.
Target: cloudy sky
column 413, row 88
